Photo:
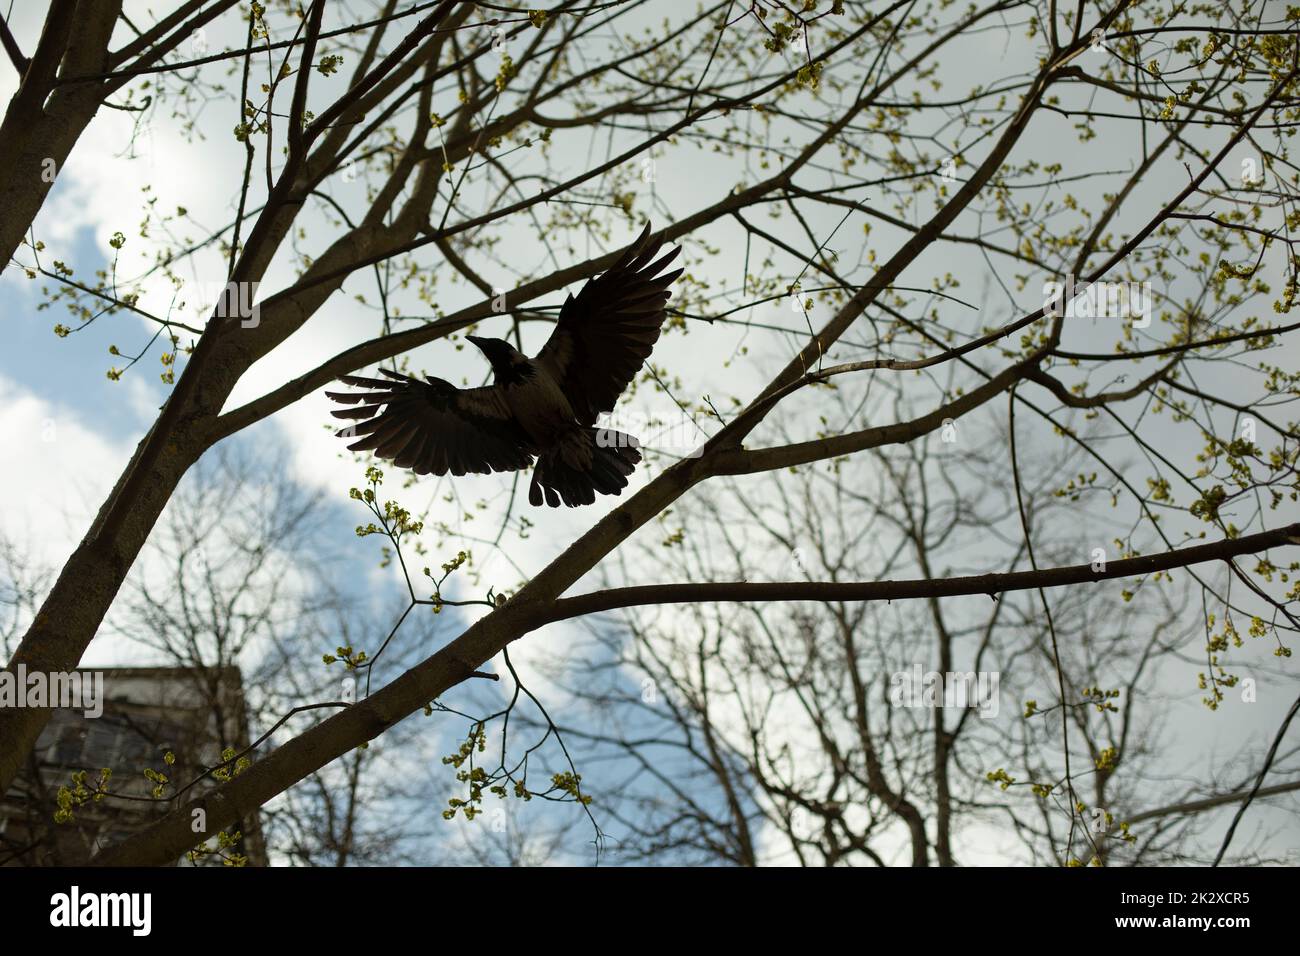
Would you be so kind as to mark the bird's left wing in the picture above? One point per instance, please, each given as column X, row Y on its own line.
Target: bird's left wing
column 608, row 329
column 432, row 426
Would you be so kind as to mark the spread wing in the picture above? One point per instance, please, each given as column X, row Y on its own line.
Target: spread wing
column 609, row 328
column 433, row 426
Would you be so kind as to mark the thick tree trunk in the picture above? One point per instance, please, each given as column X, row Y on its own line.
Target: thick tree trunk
column 89, row 582
column 83, row 593
column 44, row 121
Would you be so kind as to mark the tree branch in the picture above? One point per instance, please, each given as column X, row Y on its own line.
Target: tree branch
column 165, row 840
column 990, row 584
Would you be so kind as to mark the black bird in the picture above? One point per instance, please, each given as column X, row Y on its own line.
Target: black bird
column 541, row 408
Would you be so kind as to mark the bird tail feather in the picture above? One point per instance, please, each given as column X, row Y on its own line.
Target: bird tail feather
column 588, row 461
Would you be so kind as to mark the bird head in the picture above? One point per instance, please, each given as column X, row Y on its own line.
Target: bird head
column 507, row 361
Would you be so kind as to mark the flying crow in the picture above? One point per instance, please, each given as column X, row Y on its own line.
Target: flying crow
column 541, row 408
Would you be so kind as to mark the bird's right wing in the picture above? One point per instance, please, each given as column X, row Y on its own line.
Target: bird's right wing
column 433, row 426
column 608, row 329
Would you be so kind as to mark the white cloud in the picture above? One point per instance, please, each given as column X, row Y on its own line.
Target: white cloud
column 61, row 472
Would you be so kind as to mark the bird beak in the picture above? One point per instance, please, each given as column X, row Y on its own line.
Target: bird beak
column 478, row 342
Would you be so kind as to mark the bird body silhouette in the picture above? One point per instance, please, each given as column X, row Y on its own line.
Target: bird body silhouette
column 541, row 409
